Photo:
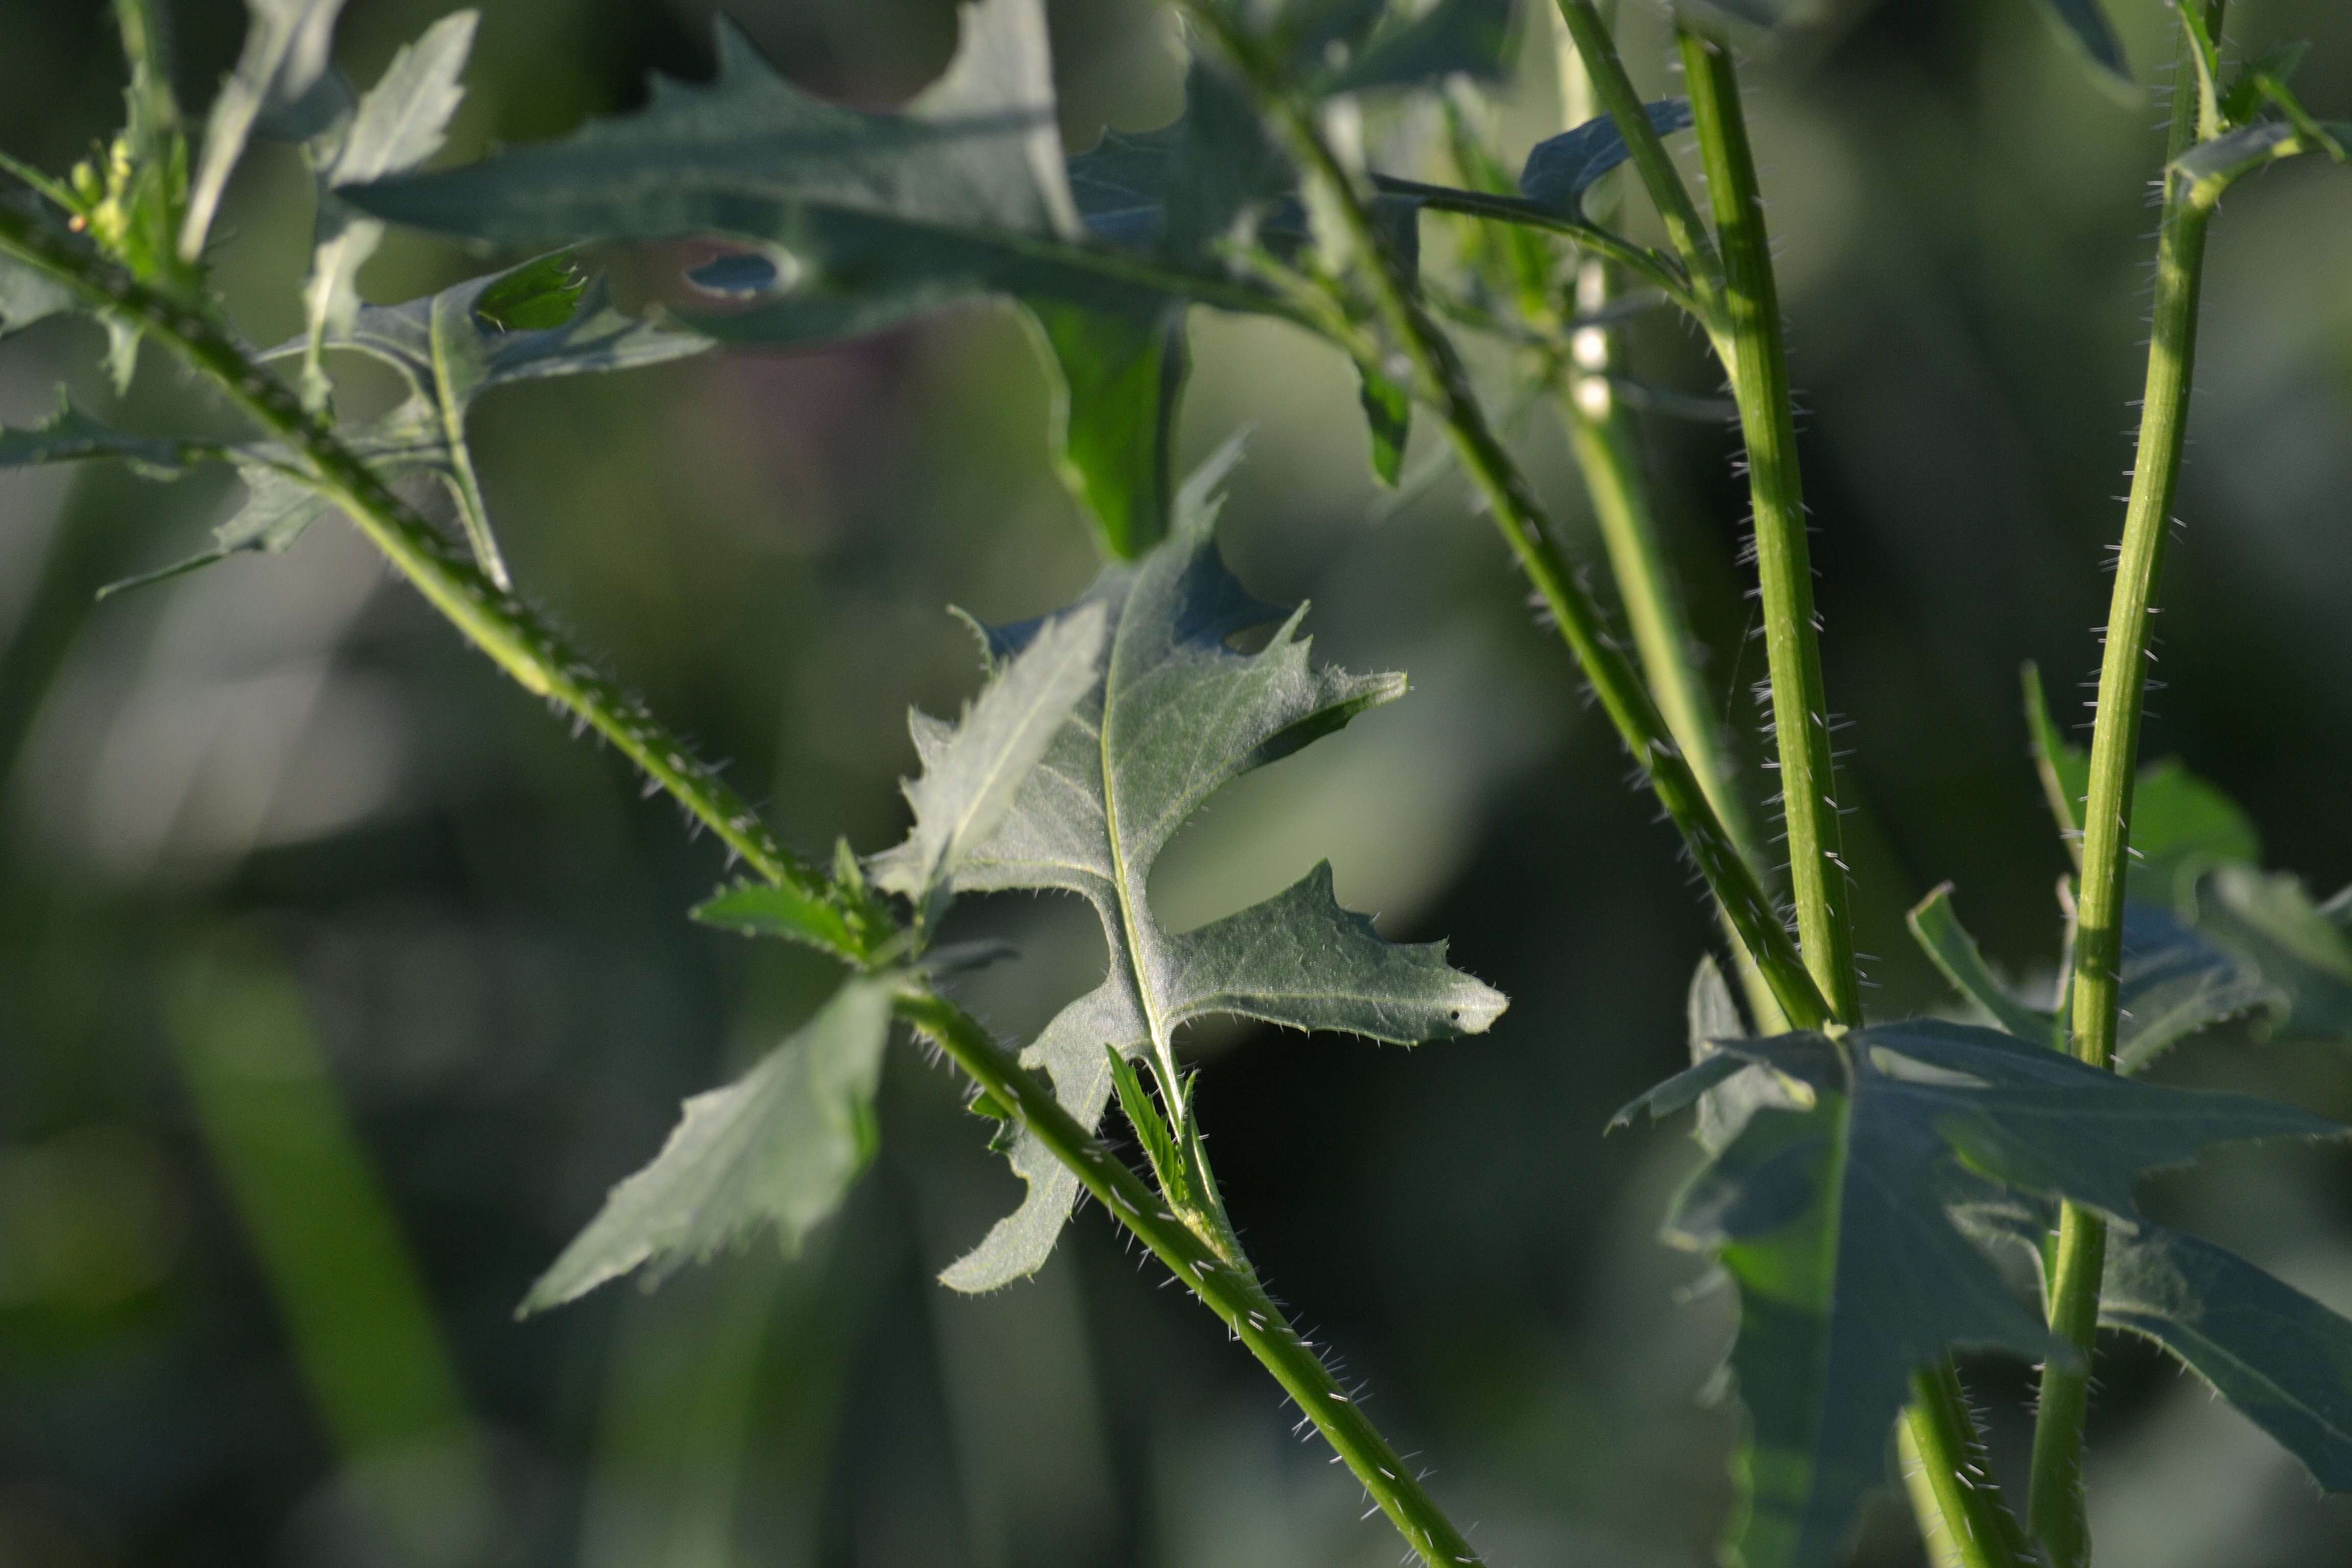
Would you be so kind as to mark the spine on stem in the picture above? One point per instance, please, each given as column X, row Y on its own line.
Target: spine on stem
column 2055, row 1509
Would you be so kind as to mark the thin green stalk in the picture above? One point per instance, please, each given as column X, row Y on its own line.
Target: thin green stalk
column 1608, row 455
column 1759, row 376
column 1441, row 381
column 1685, row 230
column 1962, row 1511
column 516, row 638
column 1230, row 1289
column 1659, row 272
column 2055, row 1506
column 533, row 654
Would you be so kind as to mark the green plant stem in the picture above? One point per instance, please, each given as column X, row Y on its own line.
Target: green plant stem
column 2055, row 1508
column 1685, row 231
column 1655, row 269
column 530, row 653
column 1974, row 1521
column 1759, row 378
column 1961, row 1508
column 1606, row 446
column 1230, row 1289
column 1441, row 382
column 516, row 638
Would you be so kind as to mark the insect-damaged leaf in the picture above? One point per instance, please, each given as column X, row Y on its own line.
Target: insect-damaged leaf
column 879, row 217
column 1833, row 1219
column 884, row 216
column 778, row 1146
column 1172, row 712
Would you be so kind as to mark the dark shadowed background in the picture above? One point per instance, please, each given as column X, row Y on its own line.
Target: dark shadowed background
column 337, row 982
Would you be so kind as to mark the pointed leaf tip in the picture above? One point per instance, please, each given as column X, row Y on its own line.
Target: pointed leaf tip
column 972, row 775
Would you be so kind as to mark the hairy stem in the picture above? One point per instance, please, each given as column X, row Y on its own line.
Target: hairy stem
column 1613, row 89
column 1441, row 381
column 1759, row 377
column 1602, row 436
column 1229, row 1290
column 528, row 651
column 1969, row 1516
column 2055, row 1508
column 516, row 638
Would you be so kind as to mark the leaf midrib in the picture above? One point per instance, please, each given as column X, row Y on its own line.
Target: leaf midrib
column 1130, row 921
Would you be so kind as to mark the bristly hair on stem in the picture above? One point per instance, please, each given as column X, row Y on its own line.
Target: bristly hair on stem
column 2056, row 1505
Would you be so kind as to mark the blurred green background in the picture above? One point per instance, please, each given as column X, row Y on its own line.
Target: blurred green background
column 337, row 984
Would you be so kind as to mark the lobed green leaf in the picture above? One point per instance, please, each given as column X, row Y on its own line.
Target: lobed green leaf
column 1170, row 712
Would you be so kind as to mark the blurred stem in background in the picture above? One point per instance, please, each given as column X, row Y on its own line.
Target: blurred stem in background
column 1607, row 448
column 329, row 1247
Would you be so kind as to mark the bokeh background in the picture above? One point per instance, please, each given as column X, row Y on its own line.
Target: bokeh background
column 337, row 982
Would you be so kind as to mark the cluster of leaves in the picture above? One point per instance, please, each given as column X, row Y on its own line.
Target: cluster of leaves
column 860, row 219
column 1878, row 1193
column 1102, row 728
column 540, row 319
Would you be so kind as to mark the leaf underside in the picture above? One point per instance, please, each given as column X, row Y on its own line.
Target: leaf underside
column 1172, row 712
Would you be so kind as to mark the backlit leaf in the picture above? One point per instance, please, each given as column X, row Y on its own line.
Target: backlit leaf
column 779, row 1146
column 973, row 771
column 1174, row 711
